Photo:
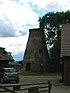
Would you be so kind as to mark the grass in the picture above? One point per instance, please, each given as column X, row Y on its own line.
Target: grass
column 28, row 73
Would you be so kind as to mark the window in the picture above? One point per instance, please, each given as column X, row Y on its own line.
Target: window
column 40, row 51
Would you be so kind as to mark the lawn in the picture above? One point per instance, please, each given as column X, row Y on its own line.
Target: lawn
column 28, row 73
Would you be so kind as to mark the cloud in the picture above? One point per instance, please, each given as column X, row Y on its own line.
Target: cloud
column 53, row 6
column 42, row 4
column 15, row 44
column 18, row 16
column 6, row 27
column 64, row 4
column 15, row 17
column 42, row 7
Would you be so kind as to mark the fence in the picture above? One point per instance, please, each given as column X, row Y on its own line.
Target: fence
column 30, row 87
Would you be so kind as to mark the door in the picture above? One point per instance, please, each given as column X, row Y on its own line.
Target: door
column 28, row 66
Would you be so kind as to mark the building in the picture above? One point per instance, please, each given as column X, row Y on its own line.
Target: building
column 4, row 59
column 15, row 65
column 65, row 53
column 36, row 56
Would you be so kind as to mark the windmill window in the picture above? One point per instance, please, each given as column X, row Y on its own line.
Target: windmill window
column 40, row 50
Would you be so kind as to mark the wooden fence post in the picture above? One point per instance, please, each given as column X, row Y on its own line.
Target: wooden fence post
column 49, row 83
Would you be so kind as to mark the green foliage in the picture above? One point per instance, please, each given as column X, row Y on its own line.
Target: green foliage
column 52, row 19
column 5, row 52
column 20, row 62
column 52, row 24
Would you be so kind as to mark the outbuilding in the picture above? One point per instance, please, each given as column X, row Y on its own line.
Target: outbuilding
column 65, row 53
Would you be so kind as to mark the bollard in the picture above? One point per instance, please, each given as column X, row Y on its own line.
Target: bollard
column 33, row 90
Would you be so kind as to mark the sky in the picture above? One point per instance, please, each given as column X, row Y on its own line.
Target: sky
column 18, row 16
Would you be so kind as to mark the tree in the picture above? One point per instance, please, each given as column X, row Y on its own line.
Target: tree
column 5, row 52
column 20, row 62
column 52, row 24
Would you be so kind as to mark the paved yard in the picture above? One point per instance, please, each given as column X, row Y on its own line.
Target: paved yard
column 56, row 86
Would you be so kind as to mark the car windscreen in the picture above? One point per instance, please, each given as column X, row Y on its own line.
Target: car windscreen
column 9, row 70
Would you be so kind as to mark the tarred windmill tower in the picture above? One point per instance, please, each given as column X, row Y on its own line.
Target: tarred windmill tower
column 36, row 55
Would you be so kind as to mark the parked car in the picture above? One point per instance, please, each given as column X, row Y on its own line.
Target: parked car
column 8, row 74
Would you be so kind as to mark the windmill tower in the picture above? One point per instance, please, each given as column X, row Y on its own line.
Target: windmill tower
column 36, row 55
